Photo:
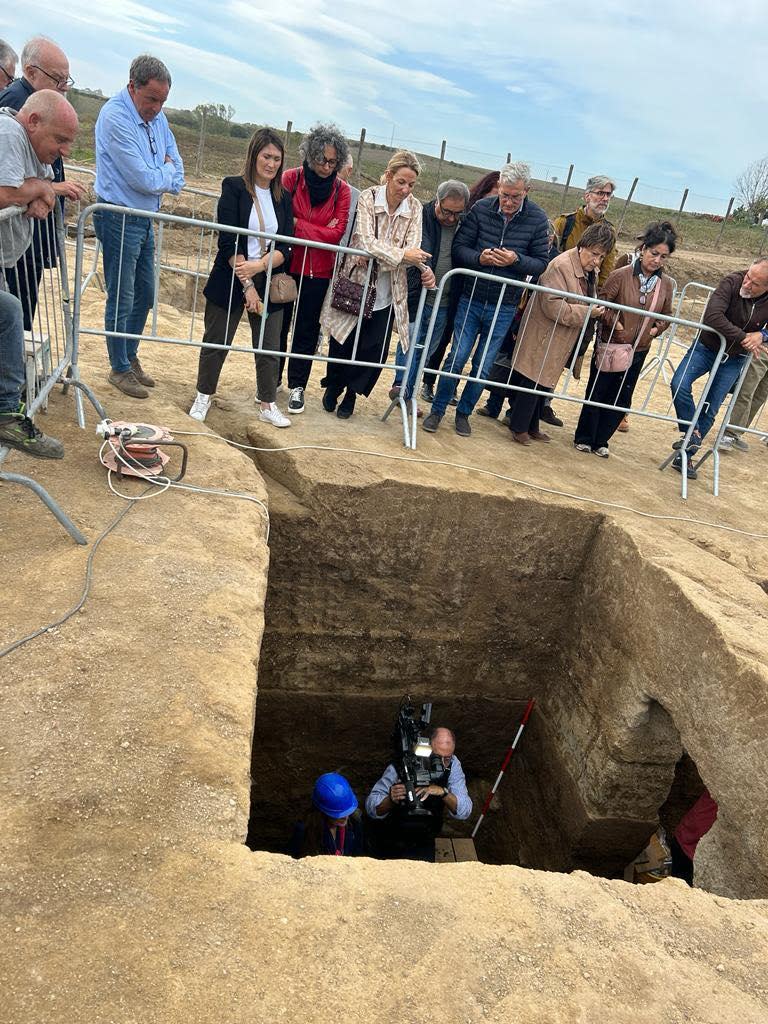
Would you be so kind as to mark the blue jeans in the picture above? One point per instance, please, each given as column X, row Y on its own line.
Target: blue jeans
column 402, row 357
column 472, row 318
column 128, row 254
column 697, row 362
column 12, row 376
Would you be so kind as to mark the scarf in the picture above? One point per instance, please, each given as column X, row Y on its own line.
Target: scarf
column 319, row 188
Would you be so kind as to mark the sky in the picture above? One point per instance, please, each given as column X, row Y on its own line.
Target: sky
column 669, row 92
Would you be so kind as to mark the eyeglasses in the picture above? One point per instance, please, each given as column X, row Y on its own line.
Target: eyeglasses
column 453, row 214
column 9, row 78
column 151, row 137
column 60, row 83
column 603, row 194
column 324, row 161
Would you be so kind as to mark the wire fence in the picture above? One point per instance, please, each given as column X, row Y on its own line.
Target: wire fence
column 213, row 147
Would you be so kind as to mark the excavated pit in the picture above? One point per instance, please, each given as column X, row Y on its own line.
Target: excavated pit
column 476, row 603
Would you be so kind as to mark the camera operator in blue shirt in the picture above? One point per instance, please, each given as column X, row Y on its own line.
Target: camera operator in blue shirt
column 403, row 833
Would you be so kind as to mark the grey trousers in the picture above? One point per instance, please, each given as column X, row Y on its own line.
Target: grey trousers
column 753, row 393
column 220, row 329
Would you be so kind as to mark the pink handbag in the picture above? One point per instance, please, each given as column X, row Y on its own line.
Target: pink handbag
column 617, row 356
column 613, row 356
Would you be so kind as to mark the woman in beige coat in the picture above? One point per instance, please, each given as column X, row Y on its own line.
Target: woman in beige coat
column 552, row 325
column 388, row 226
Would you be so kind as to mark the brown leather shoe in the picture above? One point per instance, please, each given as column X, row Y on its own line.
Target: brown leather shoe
column 523, row 438
column 623, row 427
column 141, row 376
column 539, row 435
column 127, row 383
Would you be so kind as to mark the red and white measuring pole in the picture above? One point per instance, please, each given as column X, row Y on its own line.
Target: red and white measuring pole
column 505, row 763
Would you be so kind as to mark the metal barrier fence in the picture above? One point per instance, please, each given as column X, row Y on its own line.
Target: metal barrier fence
column 170, row 224
column 480, row 360
column 33, row 267
column 200, row 228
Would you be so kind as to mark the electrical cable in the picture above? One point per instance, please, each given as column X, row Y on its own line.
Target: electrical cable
column 86, row 588
column 690, row 520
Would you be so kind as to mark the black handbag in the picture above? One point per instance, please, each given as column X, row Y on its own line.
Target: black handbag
column 346, row 294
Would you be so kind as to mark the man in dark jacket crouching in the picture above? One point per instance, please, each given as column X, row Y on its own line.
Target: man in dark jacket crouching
column 505, row 236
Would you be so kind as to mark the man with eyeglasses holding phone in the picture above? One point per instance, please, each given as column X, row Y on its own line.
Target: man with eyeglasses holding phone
column 137, row 161
column 439, row 221
column 569, row 228
column 44, row 65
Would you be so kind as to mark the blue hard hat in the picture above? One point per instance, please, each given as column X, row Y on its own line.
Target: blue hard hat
column 333, row 796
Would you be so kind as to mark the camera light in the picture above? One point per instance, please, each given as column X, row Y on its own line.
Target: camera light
column 423, row 747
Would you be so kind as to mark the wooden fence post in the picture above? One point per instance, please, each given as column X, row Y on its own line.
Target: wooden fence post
column 360, row 146
column 725, row 221
column 627, row 201
column 440, row 164
column 565, row 189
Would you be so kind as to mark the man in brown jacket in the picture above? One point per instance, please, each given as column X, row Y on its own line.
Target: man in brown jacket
column 738, row 309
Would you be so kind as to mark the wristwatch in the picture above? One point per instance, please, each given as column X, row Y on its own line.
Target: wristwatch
column 248, row 284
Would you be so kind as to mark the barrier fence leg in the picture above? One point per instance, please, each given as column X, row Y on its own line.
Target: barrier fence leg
column 47, row 500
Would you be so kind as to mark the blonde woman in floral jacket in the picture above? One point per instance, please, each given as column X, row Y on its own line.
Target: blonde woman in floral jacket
column 388, row 226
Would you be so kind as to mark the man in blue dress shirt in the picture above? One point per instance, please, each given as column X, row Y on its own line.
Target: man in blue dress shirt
column 400, row 835
column 137, row 160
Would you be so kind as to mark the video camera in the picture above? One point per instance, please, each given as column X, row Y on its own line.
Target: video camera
column 416, row 765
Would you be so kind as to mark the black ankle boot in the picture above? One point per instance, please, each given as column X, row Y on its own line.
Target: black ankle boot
column 331, row 397
column 347, row 406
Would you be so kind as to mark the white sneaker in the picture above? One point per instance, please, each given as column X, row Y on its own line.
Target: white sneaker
column 200, row 406
column 274, row 416
column 602, row 452
column 726, row 443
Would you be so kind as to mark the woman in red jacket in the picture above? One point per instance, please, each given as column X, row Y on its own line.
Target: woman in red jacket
column 321, row 202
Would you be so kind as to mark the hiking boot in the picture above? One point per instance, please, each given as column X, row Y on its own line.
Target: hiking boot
column 428, row 393
column 432, row 422
column 128, row 384
column 141, row 375
column 19, row 432
column 547, row 414
column 296, row 401
column 463, row 427
column 677, row 463
column 347, row 406
column 274, row 416
column 200, row 407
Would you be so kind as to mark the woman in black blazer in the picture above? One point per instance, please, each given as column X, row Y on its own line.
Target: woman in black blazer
column 239, row 273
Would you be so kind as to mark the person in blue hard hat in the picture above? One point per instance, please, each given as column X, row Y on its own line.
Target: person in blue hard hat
column 333, row 823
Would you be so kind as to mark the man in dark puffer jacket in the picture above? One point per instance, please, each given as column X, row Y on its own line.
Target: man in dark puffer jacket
column 506, row 236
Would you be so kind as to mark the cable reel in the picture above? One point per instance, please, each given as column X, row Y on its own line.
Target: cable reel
column 133, row 449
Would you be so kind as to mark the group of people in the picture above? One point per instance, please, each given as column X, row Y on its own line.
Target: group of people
column 335, row 825
column 38, row 127
column 515, row 340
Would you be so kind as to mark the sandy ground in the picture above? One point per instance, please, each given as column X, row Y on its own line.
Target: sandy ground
column 127, row 893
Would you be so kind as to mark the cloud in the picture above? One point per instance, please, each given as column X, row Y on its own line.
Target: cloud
column 604, row 86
